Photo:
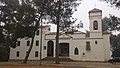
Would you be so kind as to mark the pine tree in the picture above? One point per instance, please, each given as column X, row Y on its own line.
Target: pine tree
column 21, row 18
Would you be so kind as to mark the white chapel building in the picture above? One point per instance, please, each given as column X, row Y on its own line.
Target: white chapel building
column 90, row 46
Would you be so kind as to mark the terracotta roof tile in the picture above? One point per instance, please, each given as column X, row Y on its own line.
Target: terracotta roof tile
column 95, row 10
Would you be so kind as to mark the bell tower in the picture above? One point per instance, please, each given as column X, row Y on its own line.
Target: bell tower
column 95, row 17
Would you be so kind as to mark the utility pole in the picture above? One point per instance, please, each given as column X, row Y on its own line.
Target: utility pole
column 57, row 34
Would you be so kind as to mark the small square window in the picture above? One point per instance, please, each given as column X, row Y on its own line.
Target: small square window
column 17, row 54
column 44, row 47
column 18, row 43
column 37, row 43
column 28, row 43
column 95, row 42
column 36, row 53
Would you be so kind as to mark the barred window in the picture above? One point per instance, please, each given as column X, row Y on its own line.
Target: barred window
column 88, row 46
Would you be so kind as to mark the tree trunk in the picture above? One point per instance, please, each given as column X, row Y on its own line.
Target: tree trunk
column 41, row 42
column 57, row 34
column 32, row 41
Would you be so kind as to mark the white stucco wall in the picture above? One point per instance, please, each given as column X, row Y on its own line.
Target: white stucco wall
column 95, row 54
column 106, row 46
column 78, row 35
column 98, row 52
column 23, row 48
column 96, row 35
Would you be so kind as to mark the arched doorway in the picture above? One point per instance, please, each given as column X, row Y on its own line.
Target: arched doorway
column 50, row 48
column 64, row 49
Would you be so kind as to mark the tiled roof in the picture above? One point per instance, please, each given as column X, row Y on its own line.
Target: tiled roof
column 95, row 10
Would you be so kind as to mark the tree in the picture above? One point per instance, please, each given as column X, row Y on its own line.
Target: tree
column 52, row 8
column 114, row 3
column 115, row 44
column 4, row 52
column 111, row 24
column 114, row 21
column 6, row 31
column 21, row 17
column 62, row 19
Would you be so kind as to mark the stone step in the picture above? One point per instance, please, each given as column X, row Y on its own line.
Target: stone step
column 53, row 59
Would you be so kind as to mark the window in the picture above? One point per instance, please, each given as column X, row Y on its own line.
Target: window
column 28, row 43
column 76, row 51
column 49, row 29
column 18, row 43
column 37, row 43
column 26, row 52
column 95, row 42
column 44, row 47
column 83, row 53
column 64, row 49
column 87, row 34
column 88, row 46
column 36, row 53
column 95, row 25
column 37, row 33
column 17, row 54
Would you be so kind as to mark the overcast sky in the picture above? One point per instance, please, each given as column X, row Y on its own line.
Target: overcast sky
column 87, row 5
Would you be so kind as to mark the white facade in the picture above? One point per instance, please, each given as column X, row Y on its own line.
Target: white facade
column 91, row 46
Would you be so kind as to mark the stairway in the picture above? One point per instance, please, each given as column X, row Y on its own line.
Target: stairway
column 53, row 59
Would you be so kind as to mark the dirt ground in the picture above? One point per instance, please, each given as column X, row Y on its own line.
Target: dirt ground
column 14, row 65
column 37, row 66
column 61, row 65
